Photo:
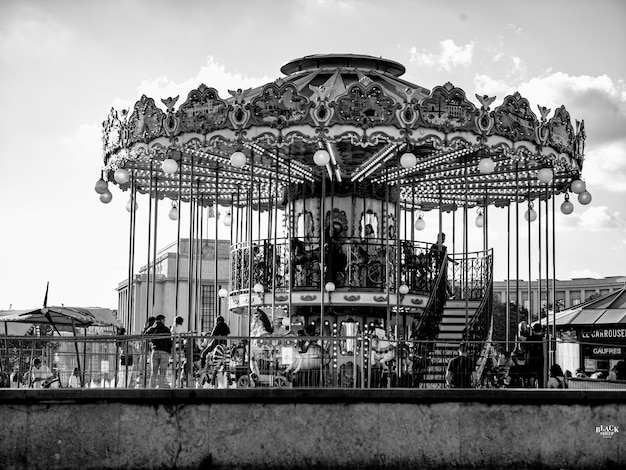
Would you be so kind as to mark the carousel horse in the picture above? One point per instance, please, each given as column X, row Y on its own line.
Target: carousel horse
column 304, row 354
column 383, row 350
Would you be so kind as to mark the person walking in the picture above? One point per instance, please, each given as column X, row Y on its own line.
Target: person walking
column 161, row 349
column 460, row 369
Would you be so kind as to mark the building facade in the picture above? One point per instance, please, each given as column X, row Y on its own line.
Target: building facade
column 571, row 292
column 163, row 287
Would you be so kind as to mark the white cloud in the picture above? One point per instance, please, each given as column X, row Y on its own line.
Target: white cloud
column 584, row 273
column 518, row 65
column 212, row 74
column 450, row 56
column 486, row 85
column 598, row 219
column 28, row 35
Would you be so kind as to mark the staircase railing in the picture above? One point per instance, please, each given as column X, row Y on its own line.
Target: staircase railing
column 480, row 327
column 428, row 325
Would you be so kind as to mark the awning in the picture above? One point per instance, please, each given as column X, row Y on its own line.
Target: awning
column 608, row 309
column 63, row 316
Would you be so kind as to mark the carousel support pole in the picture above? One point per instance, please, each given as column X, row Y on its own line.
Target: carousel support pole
column 200, row 257
column 250, row 245
column 529, row 290
column 440, row 209
column 148, row 309
column 539, row 255
column 517, row 291
column 131, row 254
column 178, row 212
column 550, row 352
column 290, row 229
column 554, row 301
column 322, row 247
column 190, row 316
column 217, row 206
column 387, row 256
column 275, row 241
column 154, row 247
column 398, row 261
column 466, row 254
column 507, row 320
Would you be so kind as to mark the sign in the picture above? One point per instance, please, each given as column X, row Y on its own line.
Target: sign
column 604, row 351
column 609, row 335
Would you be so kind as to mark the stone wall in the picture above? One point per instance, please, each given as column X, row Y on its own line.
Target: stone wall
column 281, row 428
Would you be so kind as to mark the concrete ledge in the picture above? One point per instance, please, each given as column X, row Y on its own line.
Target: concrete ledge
column 320, row 396
column 310, row 429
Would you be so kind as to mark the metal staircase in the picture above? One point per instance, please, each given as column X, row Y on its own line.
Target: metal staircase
column 446, row 345
column 467, row 318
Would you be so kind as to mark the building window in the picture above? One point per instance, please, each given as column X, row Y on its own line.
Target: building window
column 207, row 312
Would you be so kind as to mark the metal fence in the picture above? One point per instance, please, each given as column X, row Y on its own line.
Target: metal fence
column 363, row 361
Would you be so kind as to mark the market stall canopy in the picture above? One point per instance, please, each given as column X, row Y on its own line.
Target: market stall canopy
column 605, row 310
column 63, row 316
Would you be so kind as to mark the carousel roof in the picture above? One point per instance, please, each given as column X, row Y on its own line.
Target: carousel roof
column 358, row 109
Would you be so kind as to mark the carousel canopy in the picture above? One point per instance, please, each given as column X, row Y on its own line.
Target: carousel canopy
column 359, row 110
column 605, row 310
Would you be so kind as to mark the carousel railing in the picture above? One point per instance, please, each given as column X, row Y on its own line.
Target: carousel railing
column 362, row 361
column 470, row 274
column 349, row 262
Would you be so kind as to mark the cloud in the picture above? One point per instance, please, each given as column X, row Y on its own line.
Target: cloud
column 517, row 30
column 27, row 34
column 584, row 273
column 605, row 166
column 450, row 56
column 598, row 219
column 212, row 74
column 598, row 100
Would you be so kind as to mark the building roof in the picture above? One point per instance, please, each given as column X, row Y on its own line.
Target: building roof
column 605, row 310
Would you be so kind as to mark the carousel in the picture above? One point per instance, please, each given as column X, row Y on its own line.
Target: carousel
column 325, row 178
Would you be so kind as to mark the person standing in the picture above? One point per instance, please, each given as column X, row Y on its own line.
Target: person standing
column 178, row 352
column 438, row 254
column 534, row 346
column 161, row 349
column 460, row 369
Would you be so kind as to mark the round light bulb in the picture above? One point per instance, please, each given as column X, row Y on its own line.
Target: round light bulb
column 122, row 176
column 101, row 186
column 530, row 215
column 330, row 286
column 403, row 289
column 129, row 205
column 486, row 166
column 223, row 293
column 578, row 186
column 106, row 197
column 567, row 207
column 173, row 213
column 238, row 159
column 480, row 220
column 228, row 219
column 584, row 198
column 420, row 224
column 321, row 157
column 408, row 160
column 545, row 175
column 258, row 288
column 169, row 166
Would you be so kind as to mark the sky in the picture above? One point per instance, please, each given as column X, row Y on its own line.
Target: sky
column 64, row 64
